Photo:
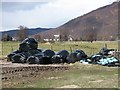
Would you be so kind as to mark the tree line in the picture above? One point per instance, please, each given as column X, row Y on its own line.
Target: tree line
column 64, row 35
column 21, row 34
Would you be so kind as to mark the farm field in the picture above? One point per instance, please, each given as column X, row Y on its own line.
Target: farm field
column 78, row 76
column 89, row 48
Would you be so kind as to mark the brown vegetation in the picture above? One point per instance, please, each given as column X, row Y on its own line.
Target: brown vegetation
column 100, row 24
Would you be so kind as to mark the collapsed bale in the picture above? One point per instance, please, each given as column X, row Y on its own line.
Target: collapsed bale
column 105, row 58
column 107, row 61
column 105, row 51
column 96, row 58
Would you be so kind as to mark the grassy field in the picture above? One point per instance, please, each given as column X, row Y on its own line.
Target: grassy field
column 78, row 76
column 89, row 48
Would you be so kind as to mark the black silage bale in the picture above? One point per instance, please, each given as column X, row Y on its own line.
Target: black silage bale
column 45, row 60
column 35, row 59
column 57, row 59
column 32, row 60
column 60, row 57
column 33, row 44
column 77, row 55
column 40, row 50
column 38, row 59
column 80, row 54
column 72, row 57
column 63, row 53
column 47, row 56
column 24, row 47
column 9, row 56
column 26, row 55
column 33, row 52
column 48, row 53
column 18, row 58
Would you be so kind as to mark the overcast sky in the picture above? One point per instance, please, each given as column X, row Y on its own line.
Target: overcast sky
column 44, row 13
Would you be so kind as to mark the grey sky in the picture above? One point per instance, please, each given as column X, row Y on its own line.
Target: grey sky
column 15, row 6
column 45, row 13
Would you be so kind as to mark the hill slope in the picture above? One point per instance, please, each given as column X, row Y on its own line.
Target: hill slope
column 100, row 24
column 30, row 31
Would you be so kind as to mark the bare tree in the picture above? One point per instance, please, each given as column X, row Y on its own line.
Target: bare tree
column 22, row 33
column 38, row 37
column 6, row 37
column 64, row 34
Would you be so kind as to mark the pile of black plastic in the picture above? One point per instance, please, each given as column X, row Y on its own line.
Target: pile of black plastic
column 106, row 57
column 29, row 53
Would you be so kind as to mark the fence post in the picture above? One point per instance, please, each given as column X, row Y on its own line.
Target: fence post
column 105, row 45
column 51, row 47
column 2, row 49
column 12, row 48
column 93, row 50
column 70, row 49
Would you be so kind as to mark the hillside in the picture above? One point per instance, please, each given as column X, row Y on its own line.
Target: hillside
column 30, row 31
column 100, row 24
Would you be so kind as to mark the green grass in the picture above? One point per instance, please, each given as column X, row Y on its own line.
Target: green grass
column 80, row 75
column 8, row 47
column 89, row 48
column 83, row 76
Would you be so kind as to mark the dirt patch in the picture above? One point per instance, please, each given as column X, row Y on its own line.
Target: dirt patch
column 69, row 86
column 96, row 81
column 50, row 78
column 23, row 72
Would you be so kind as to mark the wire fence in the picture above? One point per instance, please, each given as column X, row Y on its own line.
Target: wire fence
column 88, row 48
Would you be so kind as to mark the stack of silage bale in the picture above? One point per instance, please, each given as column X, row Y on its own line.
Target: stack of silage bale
column 29, row 52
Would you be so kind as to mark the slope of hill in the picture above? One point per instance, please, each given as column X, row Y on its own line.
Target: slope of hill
column 30, row 31
column 100, row 24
